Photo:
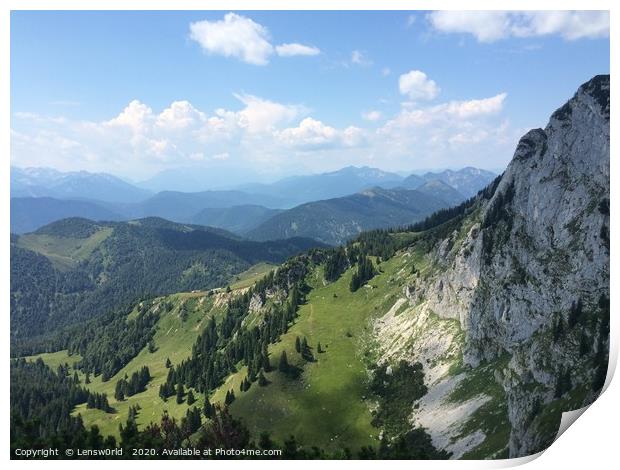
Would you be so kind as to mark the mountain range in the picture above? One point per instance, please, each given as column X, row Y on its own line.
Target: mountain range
column 40, row 196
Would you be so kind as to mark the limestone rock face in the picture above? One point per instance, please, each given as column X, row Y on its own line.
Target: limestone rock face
column 528, row 254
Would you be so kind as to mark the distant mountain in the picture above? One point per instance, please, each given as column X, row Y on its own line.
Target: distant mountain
column 346, row 181
column 183, row 207
column 114, row 199
column 75, row 269
column 197, row 179
column 45, row 182
column 467, row 181
column 237, row 219
column 412, row 182
column 333, row 221
column 28, row 213
column 443, row 191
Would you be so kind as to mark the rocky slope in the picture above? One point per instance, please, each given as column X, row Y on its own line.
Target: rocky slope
column 514, row 301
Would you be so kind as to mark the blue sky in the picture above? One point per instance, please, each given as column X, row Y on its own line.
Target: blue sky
column 279, row 93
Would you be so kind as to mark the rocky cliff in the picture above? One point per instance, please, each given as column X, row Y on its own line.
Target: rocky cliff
column 510, row 309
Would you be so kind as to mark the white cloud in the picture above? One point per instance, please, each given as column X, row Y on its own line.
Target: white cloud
column 309, row 134
column 417, row 86
column 260, row 115
column 180, row 115
column 242, row 38
column 410, row 20
column 466, row 109
column 372, row 115
column 234, row 36
column 359, row 58
column 489, row 26
column 312, row 134
column 453, row 111
column 293, row 49
column 264, row 135
column 135, row 116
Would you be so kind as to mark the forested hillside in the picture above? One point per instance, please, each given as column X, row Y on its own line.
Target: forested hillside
column 75, row 269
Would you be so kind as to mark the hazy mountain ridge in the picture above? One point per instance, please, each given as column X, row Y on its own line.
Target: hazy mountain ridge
column 46, row 182
column 334, row 221
column 205, row 207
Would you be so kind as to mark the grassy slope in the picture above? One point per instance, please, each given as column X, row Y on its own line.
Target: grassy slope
column 251, row 275
column 326, row 406
column 173, row 339
column 64, row 252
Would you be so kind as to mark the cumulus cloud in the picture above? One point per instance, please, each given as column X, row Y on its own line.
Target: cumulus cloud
column 489, row 26
column 136, row 116
column 244, row 39
column 180, row 115
column 293, row 49
column 262, row 134
column 312, row 134
column 260, row 115
column 234, row 36
column 417, row 86
column 452, row 111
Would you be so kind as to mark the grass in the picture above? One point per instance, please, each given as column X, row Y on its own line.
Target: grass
column 248, row 277
column 327, row 404
column 53, row 360
column 173, row 339
column 64, row 252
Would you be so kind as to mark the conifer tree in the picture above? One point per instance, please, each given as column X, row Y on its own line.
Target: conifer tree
column 190, row 398
column 180, row 393
column 207, row 408
column 283, row 364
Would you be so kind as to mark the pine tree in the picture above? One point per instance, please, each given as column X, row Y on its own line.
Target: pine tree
column 168, row 363
column 318, row 348
column 283, row 364
column 119, row 392
column 230, row 397
column 87, row 379
column 207, row 408
column 180, row 393
column 190, row 398
column 297, row 344
column 152, row 347
column 76, row 379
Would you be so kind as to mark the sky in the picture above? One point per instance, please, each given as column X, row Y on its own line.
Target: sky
column 258, row 95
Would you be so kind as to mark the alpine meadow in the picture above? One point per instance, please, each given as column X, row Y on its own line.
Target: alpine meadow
column 296, row 241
